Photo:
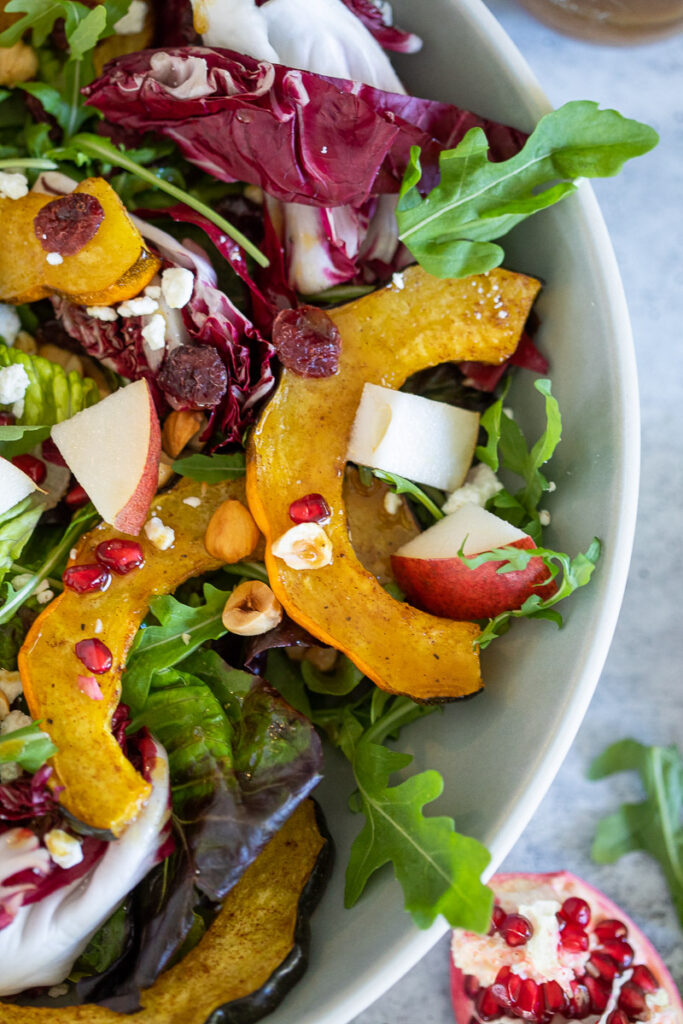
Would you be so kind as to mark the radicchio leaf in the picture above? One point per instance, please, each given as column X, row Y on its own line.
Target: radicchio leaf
column 302, row 137
column 376, row 16
column 485, row 377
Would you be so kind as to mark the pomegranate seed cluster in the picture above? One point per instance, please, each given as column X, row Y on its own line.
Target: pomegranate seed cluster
column 119, row 555
column 609, row 973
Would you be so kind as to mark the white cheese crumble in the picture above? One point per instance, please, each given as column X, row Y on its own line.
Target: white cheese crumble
column 10, row 324
column 177, row 285
column 107, row 313
column 552, row 486
column 398, row 281
column 185, row 637
column 141, row 305
column 192, row 501
column 13, row 185
column 153, row 290
column 10, row 684
column 65, row 850
column 392, row 503
column 154, row 332
column 44, row 596
column 54, row 258
column 73, row 554
column 544, row 517
column 14, row 381
column 98, row 627
column 133, row 20
column 481, row 483
column 15, row 720
column 162, row 537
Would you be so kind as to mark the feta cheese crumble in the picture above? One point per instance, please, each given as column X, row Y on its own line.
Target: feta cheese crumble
column 177, row 285
column 162, row 537
column 154, row 332
column 14, row 381
column 481, row 483
column 10, row 324
column 64, row 849
column 54, row 258
column 192, row 501
column 544, row 517
column 13, row 185
column 141, row 305
column 392, row 503
column 153, row 290
column 107, row 313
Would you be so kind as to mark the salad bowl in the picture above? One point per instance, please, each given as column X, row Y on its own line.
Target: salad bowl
column 499, row 752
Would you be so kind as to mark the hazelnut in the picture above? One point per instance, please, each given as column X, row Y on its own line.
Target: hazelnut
column 251, row 609
column 179, row 428
column 305, row 546
column 165, row 471
column 232, row 533
column 4, row 706
column 18, row 63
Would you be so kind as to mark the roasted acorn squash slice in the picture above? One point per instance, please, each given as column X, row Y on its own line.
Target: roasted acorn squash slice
column 101, row 787
column 299, row 447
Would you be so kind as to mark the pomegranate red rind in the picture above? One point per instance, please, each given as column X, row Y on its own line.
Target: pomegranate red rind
column 618, row 979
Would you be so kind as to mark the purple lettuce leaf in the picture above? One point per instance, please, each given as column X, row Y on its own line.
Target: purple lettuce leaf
column 302, row 137
column 375, row 17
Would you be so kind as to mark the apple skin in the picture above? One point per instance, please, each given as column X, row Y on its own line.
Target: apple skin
column 132, row 516
column 446, row 587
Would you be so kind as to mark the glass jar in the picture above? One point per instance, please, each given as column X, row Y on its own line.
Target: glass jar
column 611, row 21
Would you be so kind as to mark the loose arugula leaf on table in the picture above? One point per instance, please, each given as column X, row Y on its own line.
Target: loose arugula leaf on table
column 180, row 631
column 450, row 230
column 212, row 469
column 655, row 825
column 29, row 747
column 576, row 572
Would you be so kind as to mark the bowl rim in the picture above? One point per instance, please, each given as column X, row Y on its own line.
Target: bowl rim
column 415, row 944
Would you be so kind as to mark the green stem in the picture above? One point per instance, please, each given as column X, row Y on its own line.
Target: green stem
column 31, row 163
column 93, row 146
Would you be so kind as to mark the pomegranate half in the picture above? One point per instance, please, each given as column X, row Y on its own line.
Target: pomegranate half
column 558, row 950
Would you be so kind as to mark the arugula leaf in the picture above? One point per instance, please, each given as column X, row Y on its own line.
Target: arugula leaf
column 450, row 230
column 654, row 826
column 400, row 485
column 182, row 629
column 16, row 527
column 29, row 747
column 576, row 572
column 83, row 26
column 211, row 469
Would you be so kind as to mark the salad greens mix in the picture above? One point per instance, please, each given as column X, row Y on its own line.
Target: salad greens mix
column 274, row 182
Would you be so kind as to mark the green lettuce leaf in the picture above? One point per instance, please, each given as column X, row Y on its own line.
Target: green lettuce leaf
column 655, row 825
column 29, row 747
column 450, row 230
column 52, row 394
column 16, row 527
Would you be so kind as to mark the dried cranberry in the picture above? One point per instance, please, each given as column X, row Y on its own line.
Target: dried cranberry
column 193, row 376
column 51, row 452
column 86, row 578
column 119, row 555
column 76, row 497
column 95, row 655
column 33, row 467
column 310, row 509
column 307, row 341
column 67, row 224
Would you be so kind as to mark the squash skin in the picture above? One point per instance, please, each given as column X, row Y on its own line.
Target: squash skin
column 253, row 953
column 299, row 446
column 101, row 787
column 113, row 266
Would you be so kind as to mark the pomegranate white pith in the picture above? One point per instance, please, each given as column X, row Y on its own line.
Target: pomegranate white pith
column 558, row 950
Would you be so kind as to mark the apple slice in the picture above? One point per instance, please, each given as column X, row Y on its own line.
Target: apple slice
column 15, row 485
column 113, row 450
column 423, row 440
column 434, row 578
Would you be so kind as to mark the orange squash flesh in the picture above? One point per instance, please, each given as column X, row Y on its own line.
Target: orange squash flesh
column 299, row 447
column 113, row 266
column 101, row 787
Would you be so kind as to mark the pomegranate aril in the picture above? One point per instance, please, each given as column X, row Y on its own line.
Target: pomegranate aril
column 6, row 419
column 644, row 978
column 602, row 966
column 84, row 579
column 617, row 1017
column 575, row 911
column 90, row 687
column 610, row 929
column 573, row 938
column 498, row 915
column 516, row 930
column 632, row 1001
column 486, row 1006
column 599, row 993
column 33, row 467
column 530, row 1001
column 95, row 655
column 51, row 452
column 506, row 988
column 471, row 985
column 579, row 1001
column 554, row 997
column 76, row 497
column 620, row 952
column 119, row 555
column 312, row 508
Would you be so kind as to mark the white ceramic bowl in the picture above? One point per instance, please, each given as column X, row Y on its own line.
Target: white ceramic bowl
column 499, row 752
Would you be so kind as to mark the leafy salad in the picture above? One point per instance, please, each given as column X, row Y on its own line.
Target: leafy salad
column 261, row 491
